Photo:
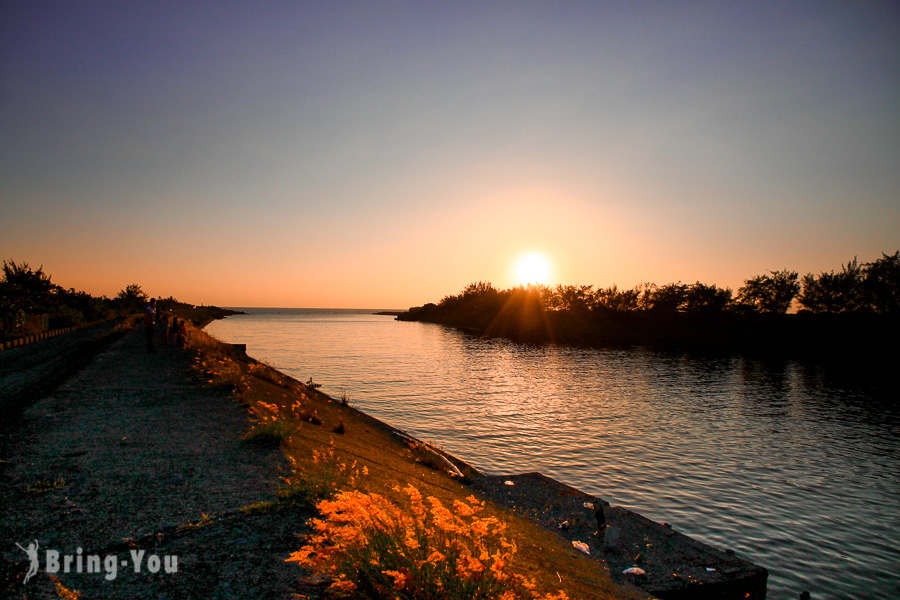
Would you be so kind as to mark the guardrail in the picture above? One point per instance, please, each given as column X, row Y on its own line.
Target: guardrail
column 30, row 339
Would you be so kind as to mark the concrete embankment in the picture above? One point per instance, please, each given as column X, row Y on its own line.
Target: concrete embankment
column 636, row 550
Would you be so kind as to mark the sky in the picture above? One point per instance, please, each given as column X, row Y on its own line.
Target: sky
column 386, row 154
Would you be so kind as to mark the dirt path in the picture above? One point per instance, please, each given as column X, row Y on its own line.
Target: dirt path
column 133, row 454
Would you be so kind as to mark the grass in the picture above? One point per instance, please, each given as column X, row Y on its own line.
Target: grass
column 266, row 372
column 45, row 485
column 321, row 477
column 64, row 592
column 263, row 507
column 344, row 397
column 215, row 363
column 205, row 520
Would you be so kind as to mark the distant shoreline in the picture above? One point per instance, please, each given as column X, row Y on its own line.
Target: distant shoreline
column 793, row 335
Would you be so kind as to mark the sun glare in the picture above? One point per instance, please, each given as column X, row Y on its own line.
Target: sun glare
column 532, row 268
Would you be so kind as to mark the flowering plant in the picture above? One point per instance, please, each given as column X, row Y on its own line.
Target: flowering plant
column 373, row 548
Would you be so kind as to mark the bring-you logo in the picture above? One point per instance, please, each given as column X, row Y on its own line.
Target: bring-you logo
column 95, row 564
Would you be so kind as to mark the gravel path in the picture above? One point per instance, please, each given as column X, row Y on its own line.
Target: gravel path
column 133, row 454
column 34, row 370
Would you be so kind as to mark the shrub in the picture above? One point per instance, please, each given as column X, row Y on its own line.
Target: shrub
column 313, row 417
column 269, row 432
column 373, row 548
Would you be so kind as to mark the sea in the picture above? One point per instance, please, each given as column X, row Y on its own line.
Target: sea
column 793, row 465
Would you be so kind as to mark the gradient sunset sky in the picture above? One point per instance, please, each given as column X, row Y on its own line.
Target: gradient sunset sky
column 385, row 154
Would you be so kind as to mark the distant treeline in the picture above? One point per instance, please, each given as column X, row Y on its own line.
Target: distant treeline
column 30, row 303
column 858, row 304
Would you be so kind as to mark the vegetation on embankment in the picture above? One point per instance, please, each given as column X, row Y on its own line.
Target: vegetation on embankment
column 30, row 303
column 855, row 309
column 434, row 539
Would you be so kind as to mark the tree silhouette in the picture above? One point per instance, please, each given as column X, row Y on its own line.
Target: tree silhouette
column 572, row 297
column 882, row 283
column 834, row 292
column 651, row 314
column 24, row 291
column 132, row 298
column 769, row 294
column 706, row 299
column 22, row 278
column 668, row 298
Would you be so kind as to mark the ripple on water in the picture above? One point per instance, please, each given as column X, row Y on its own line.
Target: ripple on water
column 793, row 467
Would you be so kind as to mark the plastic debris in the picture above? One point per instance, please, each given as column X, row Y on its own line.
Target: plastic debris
column 634, row 571
column 508, row 482
column 710, row 570
column 582, row 547
column 563, row 525
column 589, row 505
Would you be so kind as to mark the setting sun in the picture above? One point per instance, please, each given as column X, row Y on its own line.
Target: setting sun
column 533, row 268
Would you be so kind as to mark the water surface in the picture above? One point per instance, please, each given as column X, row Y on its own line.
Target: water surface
column 794, row 466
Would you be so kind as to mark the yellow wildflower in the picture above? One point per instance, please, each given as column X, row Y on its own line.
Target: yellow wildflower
column 400, row 579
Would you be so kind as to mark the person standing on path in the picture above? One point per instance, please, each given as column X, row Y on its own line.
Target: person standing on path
column 163, row 329
column 181, row 334
column 149, row 317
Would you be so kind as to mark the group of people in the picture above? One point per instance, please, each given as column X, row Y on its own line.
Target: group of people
column 170, row 333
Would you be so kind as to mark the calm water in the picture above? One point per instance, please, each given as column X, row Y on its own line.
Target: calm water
column 793, row 466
